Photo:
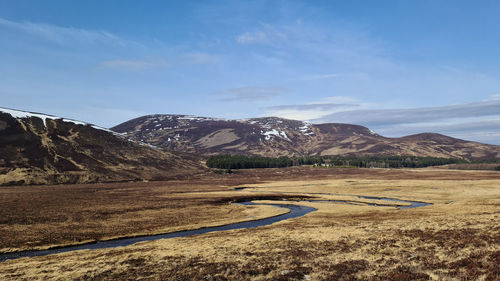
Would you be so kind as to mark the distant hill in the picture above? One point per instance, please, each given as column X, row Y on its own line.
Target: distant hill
column 272, row 136
column 44, row 149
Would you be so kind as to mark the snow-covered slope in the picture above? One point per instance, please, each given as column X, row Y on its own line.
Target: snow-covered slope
column 19, row 114
column 39, row 148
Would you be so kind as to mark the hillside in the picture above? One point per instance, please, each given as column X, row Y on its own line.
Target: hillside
column 272, row 136
column 44, row 149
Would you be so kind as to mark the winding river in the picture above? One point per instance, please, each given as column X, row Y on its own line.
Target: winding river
column 295, row 211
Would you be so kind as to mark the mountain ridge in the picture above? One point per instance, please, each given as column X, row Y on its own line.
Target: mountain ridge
column 275, row 136
column 37, row 148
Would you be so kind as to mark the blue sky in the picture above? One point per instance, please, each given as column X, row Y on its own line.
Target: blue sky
column 398, row 67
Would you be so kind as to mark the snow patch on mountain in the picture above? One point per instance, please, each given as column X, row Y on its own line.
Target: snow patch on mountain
column 19, row 114
column 269, row 134
column 306, row 129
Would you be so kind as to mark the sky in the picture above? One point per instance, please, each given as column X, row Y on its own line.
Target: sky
column 397, row 67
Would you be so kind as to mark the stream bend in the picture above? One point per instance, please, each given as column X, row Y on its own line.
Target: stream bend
column 295, row 212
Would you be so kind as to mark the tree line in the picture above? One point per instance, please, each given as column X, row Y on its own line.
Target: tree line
column 391, row 161
column 248, row 162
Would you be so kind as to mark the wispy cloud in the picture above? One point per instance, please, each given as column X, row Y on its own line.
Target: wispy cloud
column 61, row 35
column 267, row 34
column 486, row 130
column 123, row 64
column 479, row 121
column 495, row 97
column 320, row 76
column 307, row 111
column 313, row 106
column 271, row 60
column 316, row 109
column 251, row 93
column 252, row 38
column 414, row 115
column 341, row 99
column 202, row 58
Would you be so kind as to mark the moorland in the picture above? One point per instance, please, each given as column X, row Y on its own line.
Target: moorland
column 455, row 238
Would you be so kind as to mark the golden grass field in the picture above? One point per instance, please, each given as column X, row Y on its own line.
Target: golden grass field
column 457, row 238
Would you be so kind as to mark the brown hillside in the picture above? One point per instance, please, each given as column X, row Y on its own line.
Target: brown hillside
column 36, row 151
column 272, row 136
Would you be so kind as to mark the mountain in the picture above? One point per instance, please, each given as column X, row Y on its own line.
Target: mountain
column 43, row 149
column 272, row 136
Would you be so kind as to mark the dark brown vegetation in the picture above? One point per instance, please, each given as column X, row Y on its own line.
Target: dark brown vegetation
column 44, row 216
column 52, row 151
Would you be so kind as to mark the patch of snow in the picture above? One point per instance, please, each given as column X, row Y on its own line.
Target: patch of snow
column 306, row 129
column 19, row 114
column 269, row 134
column 198, row 118
column 372, row 132
column 25, row 114
column 142, row 143
column 283, row 134
column 74, row 121
column 104, row 129
column 191, row 118
column 177, row 136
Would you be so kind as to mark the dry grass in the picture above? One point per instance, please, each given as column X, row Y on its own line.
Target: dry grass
column 43, row 217
column 457, row 238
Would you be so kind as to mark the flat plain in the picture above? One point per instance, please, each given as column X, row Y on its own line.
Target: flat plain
column 456, row 238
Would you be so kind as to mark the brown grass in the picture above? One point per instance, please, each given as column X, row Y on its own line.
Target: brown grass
column 458, row 238
column 42, row 217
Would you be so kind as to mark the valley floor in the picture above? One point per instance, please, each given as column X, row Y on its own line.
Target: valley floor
column 456, row 238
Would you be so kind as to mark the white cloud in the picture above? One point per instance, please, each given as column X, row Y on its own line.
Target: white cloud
column 252, row 38
column 414, row 115
column 251, row 93
column 321, row 76
column 339, row 99
column 267, row 34
column 202, row 58
column 268, row 60
column 122, row 64
column 478, row 121
column 316, row 109
column 495, row 97
column 61, row 35
column 298, row 114
column 482, row 129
